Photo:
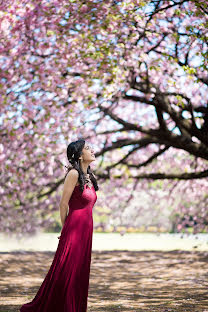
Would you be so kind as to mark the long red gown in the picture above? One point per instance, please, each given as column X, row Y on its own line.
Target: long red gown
column 65, row 287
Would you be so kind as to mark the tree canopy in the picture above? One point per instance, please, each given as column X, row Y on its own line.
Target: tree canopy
column 131, row 78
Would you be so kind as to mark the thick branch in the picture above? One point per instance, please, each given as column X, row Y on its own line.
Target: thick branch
column 160, row 136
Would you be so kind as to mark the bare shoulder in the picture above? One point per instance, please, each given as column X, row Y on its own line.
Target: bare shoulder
column 72, row 176
column 69, row 185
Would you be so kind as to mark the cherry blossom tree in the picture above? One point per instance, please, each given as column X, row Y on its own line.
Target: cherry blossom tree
column 131, row 78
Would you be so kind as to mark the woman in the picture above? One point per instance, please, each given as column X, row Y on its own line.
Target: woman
column 65, row 287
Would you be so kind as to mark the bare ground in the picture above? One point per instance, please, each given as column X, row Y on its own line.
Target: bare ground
column 154, row 281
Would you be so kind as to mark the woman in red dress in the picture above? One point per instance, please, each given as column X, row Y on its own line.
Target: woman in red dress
column 65, row 287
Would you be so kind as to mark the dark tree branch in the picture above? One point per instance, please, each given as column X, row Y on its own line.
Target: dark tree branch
column 149, row 160
column 159, row 176
column 166, row 7
column 183, row 141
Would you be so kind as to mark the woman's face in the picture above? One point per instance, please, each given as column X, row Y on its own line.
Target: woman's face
column 88, row 152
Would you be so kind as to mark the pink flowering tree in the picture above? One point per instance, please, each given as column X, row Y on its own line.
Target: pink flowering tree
column 131, row 78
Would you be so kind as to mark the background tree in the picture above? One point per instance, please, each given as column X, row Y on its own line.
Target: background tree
column 130, row 77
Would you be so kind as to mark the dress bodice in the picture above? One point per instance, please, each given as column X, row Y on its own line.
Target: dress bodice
column 85, row 199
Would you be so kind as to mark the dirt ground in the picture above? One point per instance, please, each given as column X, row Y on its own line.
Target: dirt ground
column 154, row 281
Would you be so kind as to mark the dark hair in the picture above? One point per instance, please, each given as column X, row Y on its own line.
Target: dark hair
column 74, row 151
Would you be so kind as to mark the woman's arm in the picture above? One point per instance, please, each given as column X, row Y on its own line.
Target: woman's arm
column 69, row 185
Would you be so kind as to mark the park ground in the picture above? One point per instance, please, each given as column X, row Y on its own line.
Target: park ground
column 165, row 278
